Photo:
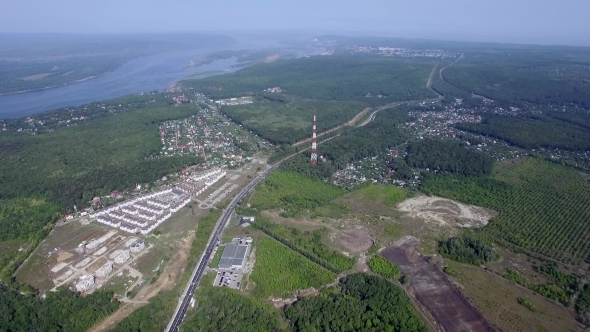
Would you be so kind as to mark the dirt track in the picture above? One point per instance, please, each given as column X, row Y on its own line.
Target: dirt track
column 431, row 287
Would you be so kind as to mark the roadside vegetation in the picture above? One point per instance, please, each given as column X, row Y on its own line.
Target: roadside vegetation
column 280, row 271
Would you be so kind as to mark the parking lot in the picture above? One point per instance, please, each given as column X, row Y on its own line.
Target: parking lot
column 229, row 278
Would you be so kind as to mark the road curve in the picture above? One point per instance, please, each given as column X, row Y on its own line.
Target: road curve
column 195, row 278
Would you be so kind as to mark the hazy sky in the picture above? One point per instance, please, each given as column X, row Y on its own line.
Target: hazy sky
column 526, row 21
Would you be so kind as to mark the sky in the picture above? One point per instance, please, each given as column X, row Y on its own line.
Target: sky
column 562, row 22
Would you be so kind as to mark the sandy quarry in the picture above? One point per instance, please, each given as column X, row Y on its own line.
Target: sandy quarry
column 446, row 212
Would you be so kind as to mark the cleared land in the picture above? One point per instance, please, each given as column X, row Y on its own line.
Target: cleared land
column 445, row 211
column 433, row 289
column 498, row 299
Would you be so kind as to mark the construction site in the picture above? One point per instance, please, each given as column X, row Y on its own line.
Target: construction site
column 98, row 256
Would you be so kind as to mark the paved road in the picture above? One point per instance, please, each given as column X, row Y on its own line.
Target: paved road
column 200, row 268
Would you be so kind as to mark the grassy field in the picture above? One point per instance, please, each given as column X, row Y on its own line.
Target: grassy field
column 307, row 242
column 279, row 271
column 388, row 195
column 290, row 121
column 498, row 300
column 293, row 193
column 544, row 207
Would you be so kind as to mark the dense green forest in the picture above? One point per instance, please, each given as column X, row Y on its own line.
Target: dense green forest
column 534, row 132
column 343, row 78
column 363, row 303
column 223, row 309
column 288, row 121
column 448, row 156
column 58, row 311
column 467, row 248
column 541, row 76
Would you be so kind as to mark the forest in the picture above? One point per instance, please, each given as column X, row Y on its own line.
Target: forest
column 363, row 303
column 467, row 248
column 62, row 310
column 223, row 309
column 447, row 156
column 534, row 132
column 42, row 176
column 342, row 78
column 557, row 75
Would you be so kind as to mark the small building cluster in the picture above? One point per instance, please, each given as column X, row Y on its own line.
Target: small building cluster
column 208, row 134
column 276, row 89
column 235, row 101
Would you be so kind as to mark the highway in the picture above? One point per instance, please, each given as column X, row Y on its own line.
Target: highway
column 193, row 282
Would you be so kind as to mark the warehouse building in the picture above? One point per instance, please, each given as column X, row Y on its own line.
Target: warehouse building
column 234, row 255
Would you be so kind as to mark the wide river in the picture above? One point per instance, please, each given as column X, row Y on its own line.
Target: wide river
column 149, row 73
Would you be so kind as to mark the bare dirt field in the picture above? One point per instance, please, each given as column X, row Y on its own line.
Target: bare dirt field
column 433, row 289
column 445, row 211
column 355, row 240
